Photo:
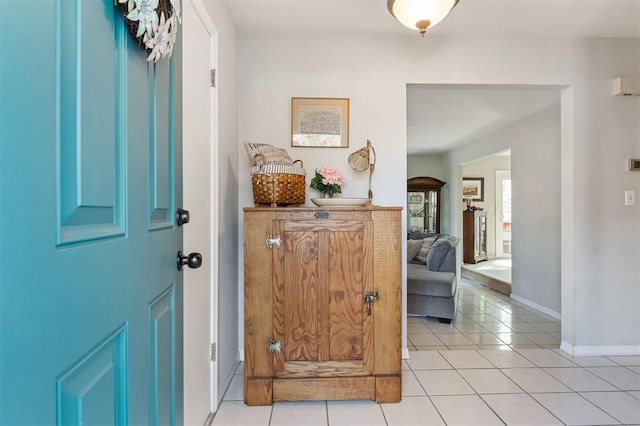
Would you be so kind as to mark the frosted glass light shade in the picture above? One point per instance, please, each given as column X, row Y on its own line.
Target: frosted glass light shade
column 420, row 14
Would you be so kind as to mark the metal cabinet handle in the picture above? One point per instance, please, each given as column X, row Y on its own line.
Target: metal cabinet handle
column 273, row 241
column 369, row 298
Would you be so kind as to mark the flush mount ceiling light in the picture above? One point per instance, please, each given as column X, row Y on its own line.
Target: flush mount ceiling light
column 420, row 14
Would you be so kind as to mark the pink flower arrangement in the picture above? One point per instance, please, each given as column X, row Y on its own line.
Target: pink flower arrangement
column 328, row 180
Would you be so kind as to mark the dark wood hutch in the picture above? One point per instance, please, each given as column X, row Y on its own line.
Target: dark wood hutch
column 424, row 204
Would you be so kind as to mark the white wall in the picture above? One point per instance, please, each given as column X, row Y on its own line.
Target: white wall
column 424, row 165
column 535, row 175
column 536, row 203
column 607, row 234
column 227, row 170
column 598, row 133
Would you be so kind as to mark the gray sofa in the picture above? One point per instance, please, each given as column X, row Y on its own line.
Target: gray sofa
column 431, row 276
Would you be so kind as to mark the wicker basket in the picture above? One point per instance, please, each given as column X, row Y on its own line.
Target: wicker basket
column 277, row 185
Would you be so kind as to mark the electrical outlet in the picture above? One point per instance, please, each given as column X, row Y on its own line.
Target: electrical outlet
column 629, row 197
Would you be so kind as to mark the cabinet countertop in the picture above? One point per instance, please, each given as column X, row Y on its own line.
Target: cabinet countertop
column 336, row 208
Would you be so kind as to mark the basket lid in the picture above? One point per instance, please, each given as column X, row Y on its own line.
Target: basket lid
column 278, row 168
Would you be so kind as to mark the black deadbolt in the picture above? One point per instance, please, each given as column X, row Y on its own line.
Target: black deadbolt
column 182, row 216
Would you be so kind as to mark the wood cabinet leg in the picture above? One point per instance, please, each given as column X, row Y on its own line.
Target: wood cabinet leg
column 388, row 389
column 258, row 391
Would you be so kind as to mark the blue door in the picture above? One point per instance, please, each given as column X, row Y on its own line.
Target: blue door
column 90, row 179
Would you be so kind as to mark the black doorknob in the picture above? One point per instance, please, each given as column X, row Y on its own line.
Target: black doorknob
column 193, row 260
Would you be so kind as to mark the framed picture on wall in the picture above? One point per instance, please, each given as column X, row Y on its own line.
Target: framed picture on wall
column 473, row 187
column 320, row 122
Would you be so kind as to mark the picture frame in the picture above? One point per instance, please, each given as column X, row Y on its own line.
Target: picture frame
column 320, row 122
column 473, row 187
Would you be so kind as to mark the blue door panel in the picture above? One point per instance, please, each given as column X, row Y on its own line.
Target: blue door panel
column 91, row 138
column 162, row 358
column 93, row 391
column 161, row 147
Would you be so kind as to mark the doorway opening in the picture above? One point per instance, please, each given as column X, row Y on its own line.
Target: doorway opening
column 488, row 126
column 492, row 266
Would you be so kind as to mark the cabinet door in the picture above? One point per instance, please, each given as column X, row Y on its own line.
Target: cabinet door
column 322, row 271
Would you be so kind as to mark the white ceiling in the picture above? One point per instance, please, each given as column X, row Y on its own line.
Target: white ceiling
column 439, row 118
column 566, row 18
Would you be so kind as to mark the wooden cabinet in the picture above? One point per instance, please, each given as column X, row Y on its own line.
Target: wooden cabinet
column 309, row 333
column 423, row 204
column 474, row 236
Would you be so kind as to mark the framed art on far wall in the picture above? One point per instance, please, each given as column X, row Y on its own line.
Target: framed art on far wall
column 320, row 122
column 473, row 187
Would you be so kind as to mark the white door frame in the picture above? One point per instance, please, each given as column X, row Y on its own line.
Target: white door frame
column 500, row 176
column 212, row 187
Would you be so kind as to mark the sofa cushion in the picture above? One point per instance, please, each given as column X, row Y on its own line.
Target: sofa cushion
column 421, row 281
column 452, row 240
column 442, row 256
column 427, row 243
column 412, row 249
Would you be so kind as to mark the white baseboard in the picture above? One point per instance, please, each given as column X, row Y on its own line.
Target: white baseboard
column 566, row 347
column 600, row 350
column 241, row 352
column 405, row 353
column 533, row 305
column 226, row 376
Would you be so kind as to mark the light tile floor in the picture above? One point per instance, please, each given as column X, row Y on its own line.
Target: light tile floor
column 498, row 363
column 485, row 320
